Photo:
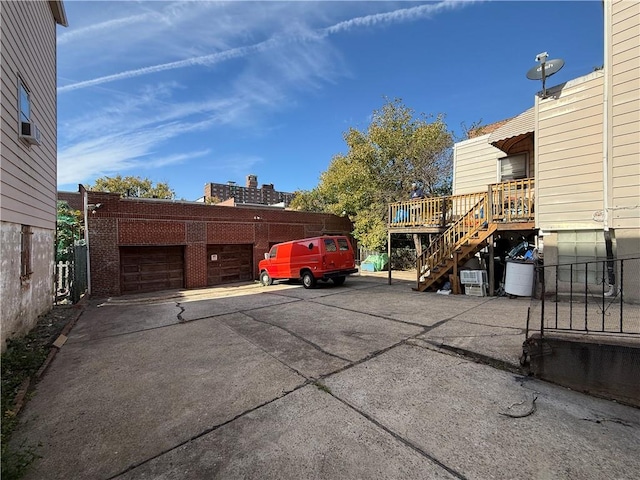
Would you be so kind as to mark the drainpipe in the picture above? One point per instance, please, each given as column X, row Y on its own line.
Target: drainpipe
column 85, row 205
column 611, row 277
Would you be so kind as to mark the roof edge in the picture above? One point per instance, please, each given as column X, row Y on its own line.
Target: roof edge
column 57, row 9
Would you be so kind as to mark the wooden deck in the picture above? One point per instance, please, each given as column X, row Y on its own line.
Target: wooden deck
column 462, row 224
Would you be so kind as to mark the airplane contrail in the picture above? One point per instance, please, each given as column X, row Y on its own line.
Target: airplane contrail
column 396, row 16
column 109, row 25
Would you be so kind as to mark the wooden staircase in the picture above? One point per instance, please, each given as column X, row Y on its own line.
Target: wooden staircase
column 461, row 241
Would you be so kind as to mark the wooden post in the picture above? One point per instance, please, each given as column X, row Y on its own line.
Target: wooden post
column 490, row 205
column 389, row 253
column 490, row 268
column 417, row 242
column 455, row 266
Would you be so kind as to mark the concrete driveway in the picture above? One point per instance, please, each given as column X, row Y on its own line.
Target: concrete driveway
column 351, row 382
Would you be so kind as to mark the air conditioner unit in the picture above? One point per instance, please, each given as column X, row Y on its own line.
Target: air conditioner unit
column 476, row 290
column 30, row 132
column 473, row 277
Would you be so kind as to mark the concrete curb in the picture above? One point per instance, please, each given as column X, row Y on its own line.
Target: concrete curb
column 80, row 306
column 19, row 400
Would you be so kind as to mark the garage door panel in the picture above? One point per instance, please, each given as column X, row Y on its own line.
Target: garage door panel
column 229, row 263
column 159, row 266
column 150, row 269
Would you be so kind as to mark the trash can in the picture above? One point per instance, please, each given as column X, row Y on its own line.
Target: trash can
column 519, row 278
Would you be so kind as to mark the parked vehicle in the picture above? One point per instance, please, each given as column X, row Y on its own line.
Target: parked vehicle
column 324, row 258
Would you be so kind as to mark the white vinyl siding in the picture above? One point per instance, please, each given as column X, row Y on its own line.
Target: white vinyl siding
column 568, row 159
column 475, row 165
column 28, row 174
column 624, row 111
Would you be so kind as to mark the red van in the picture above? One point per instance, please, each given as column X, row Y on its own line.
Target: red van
column 309, row 259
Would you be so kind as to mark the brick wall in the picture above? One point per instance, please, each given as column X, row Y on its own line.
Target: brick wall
column 130, row 221
column 74, row 199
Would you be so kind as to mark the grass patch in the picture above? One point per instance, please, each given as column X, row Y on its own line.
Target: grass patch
column 20, row 361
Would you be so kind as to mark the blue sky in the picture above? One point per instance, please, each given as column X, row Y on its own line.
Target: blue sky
column 195, row 92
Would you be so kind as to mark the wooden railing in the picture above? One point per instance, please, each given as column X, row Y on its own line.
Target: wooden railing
column 509, row 202
column 512, row 201
column 418, row 213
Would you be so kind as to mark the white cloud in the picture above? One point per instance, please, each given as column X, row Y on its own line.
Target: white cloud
column 235, row 165
column 282, row 54
column 293, row 35
column 158, row 162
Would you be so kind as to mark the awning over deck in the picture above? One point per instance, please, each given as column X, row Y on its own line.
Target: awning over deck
column 513, row 131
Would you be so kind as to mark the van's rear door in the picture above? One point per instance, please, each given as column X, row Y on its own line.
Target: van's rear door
column 347, row 259
column 338, row 255
column 331, row 256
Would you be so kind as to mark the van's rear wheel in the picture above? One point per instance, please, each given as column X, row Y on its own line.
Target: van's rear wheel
column 308, row 280
column 339, row 280
column 265, row 279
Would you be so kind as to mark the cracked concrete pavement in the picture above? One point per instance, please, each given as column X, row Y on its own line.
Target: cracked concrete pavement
column 350, row 382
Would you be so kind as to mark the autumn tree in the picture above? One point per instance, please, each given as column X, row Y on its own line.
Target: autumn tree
column 380, row 164
column 133, row 187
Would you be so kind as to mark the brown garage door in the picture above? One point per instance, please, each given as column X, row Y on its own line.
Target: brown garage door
column 149, row 269
column 229, row 263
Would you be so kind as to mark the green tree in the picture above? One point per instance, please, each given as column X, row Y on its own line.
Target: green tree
column 68, row 230
column 133, row 187
column 308, row 200
column 381, row 162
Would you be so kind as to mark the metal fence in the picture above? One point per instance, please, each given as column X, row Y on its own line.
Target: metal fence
column 71, row 276
column 596, row 296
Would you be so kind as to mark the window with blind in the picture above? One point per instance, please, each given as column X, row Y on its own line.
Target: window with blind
column 513, row 167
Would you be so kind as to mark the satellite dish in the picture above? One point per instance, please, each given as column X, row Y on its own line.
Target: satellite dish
column 550, row 67
column 544, row 69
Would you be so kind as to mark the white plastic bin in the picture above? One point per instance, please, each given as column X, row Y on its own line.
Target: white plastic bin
column 519, row 278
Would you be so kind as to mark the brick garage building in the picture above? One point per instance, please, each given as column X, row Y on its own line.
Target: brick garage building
column 138, row 245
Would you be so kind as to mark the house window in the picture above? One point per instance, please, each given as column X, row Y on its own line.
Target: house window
column 24, row 102
column 513, row 167
column 25, row 252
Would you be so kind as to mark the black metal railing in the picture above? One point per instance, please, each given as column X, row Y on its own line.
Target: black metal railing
column 597, row 296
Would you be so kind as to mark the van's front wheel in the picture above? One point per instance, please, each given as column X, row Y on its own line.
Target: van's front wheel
column 265, row 278
column 308, row 280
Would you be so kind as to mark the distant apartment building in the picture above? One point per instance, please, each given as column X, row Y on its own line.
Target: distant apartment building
column 265, row 195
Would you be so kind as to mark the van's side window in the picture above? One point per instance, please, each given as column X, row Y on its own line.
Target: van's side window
column 344, row 246
column 273, row 252
column 330, row 245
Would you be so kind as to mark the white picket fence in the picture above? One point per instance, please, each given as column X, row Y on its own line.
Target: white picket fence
column 63, row 275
